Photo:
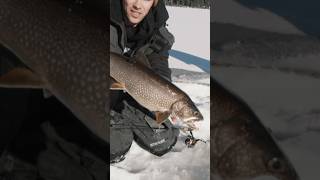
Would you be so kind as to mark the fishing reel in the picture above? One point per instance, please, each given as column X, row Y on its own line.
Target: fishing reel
column 191, row 141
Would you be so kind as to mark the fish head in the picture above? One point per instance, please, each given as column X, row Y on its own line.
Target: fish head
column 281, row 168
column 186, row 112
column 274, row 162
column 255, row 156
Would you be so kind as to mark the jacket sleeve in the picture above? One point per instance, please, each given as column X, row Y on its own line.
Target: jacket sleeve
column 115, row 40
column 161, row 43
column 159, row 64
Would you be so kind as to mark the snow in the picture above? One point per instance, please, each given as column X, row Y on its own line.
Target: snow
column 191, row 28
column 191, row 52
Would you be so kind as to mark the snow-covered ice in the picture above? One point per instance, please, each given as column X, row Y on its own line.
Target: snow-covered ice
column 191, row 28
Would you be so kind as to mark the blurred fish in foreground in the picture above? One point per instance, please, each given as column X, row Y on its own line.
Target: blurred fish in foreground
column 65, row 49
column 283, row 52
column 241, row 147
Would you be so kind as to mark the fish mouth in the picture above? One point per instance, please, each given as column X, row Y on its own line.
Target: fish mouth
column 192, row 119
column 190, row 123
column 190, row 127
column 185, row 124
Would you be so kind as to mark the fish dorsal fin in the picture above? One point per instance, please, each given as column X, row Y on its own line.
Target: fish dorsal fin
column 162, row 116
column 21, row 78
column 114, row 85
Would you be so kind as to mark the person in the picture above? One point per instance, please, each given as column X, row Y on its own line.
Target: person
column 138, row 31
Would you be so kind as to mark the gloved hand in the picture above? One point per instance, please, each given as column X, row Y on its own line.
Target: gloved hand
column 158, row 139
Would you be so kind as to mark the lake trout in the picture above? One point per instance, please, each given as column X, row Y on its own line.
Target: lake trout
column 153, row 92
column 241, row 147
column 65, row 49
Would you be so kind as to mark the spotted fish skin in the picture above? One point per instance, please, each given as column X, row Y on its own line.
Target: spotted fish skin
column 67, row 46
column 151, row 90
column 142, row 86
column 241, row 147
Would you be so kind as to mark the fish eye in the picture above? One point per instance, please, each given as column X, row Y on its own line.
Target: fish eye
column 196, row 113
column 275, row 165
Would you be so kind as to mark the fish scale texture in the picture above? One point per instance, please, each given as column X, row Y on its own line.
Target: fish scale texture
column 67, row 47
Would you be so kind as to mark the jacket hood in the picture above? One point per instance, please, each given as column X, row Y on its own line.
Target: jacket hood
column 157, row 16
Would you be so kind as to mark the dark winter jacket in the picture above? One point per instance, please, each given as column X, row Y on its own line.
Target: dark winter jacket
column 149, row 42
column 151, row 38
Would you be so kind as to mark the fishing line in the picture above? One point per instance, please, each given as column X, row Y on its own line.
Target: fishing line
column 191, row 141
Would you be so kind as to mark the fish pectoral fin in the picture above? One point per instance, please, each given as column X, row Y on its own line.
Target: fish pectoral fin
column 162, row 116
column 21, row 78
column 117, row 85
